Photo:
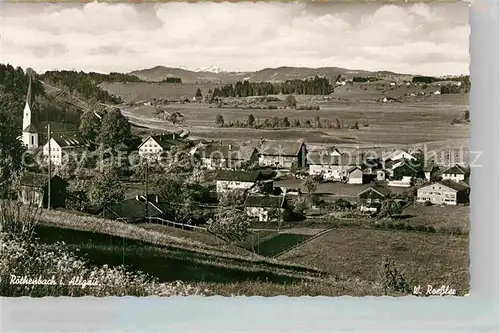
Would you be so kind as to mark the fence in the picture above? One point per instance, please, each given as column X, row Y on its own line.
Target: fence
column 176, row 224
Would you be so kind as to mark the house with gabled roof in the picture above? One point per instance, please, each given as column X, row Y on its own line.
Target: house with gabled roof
column 403, row 174
column 265, row 207
column 282, row 154
column 225, row 156
column 34, row 190
column 63, row 144
column 455, row 173
column 371, row 198
column 155, row 145
column 354, row 175
column 229, row 180
column 330, row 167
column 446, row 192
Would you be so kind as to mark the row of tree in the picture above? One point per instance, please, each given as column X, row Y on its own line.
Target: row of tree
column 314, row 86
column 277, row 122
column 171, row 79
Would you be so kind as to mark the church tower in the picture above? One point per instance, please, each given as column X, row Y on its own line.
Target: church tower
column 30, row 133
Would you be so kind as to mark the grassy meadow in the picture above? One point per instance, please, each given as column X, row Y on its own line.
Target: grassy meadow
column 426, row 258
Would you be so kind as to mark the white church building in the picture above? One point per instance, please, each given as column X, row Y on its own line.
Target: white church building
column 64, row 137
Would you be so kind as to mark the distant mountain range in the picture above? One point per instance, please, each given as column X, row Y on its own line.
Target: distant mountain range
column 213, row 74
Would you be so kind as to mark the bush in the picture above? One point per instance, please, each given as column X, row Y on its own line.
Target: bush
column 393, row 279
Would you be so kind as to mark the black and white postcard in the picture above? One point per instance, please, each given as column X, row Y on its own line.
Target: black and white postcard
column 234, row 149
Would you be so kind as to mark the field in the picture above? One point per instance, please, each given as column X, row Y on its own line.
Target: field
column 439, row 216
column 416, row 121
column 139, row 91
column 426, row 258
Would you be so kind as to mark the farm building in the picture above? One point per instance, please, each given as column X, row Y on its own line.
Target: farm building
column 34, row 190
column 330, row 167
column 265, row 207
column 218, row 156
column 282, row 155
column 354, row 175
column 227, row 180
column 371, row 198
column 455, row 173
column 154, row 146
column 447, row 192
column 402, row 174
column 62, row 145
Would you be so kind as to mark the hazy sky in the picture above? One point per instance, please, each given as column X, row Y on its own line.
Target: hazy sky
column 430, row 39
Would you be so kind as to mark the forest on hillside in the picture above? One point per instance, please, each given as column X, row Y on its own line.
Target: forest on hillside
column 86, row 85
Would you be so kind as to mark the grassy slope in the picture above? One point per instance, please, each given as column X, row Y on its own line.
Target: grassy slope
column 222, row 255
column 426, row 258
column 169, row 257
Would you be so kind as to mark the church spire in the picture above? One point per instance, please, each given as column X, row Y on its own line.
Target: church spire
column 29, row 94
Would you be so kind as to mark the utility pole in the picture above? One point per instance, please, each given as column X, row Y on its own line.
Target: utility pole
column 146, row 190
column 50, row 167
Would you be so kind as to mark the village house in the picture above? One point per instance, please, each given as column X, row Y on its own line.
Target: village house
column 265, row 208
column 354, row 175
column 34, row 190
column 64, row 145
column 154, row 146
column 282, row 155
column 455, row 173
column 228, row 156
column 229, row 180
column 330, row 167
column 403, row 174
column 370, row 199
column 447, row 192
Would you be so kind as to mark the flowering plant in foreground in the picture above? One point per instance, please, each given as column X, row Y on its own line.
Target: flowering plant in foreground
column 25, row 259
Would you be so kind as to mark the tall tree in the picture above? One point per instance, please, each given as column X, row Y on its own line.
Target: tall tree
column 219, row 120
column 90, row 126
column 251, row 120
column 11, row 149
column 115, row 130
column 231, row 224
column 198, row 93
column 105, row 188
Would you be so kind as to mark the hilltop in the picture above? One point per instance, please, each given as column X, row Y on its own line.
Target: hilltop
column 283, row 73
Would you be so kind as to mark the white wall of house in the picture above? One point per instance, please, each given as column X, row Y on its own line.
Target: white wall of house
column 404, row 182
column 355, row 177
column 150, row 149
column 229, row 185
column 454, row 176
column 285, row 162
column 437, row 194
column 56, row 152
